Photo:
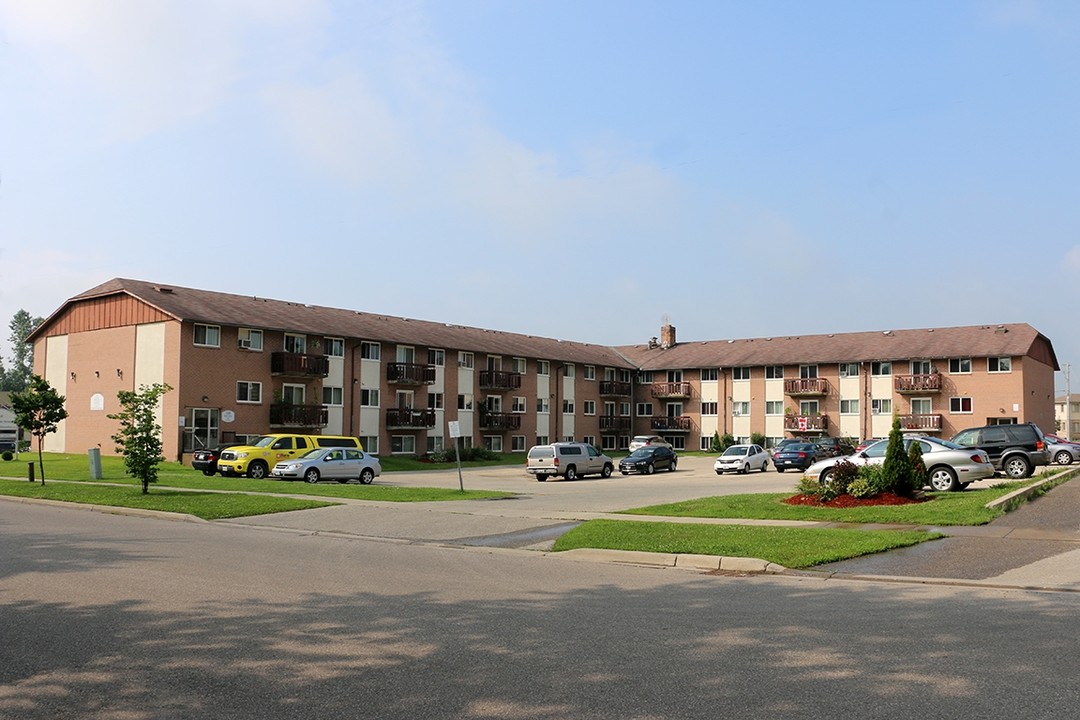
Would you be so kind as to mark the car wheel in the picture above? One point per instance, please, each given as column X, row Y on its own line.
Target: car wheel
column 1063, row 458
column 366, row 476
column 779, row 469
column 257, row 470
column 673, row 465
column 541, row 478
column 649, row 469
column 746, row 468
column 625, row 472
column 826, row 476
column 1017, row 467
column 571, row 472
column 606, row 472
column 312, row 475
column 208, row 473
column 719, row 472
column 943, row 479
column 764, row 466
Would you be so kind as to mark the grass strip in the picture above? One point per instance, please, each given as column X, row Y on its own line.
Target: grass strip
column 790, row 547
column 208, row 506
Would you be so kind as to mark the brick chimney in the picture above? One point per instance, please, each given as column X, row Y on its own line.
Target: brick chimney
column 667, row 336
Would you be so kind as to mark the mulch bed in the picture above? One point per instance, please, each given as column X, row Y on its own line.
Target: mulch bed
column 846, row 501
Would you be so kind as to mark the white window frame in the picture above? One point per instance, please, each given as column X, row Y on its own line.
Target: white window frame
column 372, row 394
column 465, row 401
column 436, row 357
column 248, row 385
column 568, row 407
column 436, row 401
column 466, row 359
column 740, row 408
column 588, row 372
column 960, row 366
column 517, row 404
column 710, row 408
column 588, row 407
column 334, row 347
column 402, row 444
column 644, row 409
column 211, row 335
column 249, row 339
column 568, row 370
column 710, row 374
column 493, row 443
column 337, row 395
column 774, row 372
column 292, row 389
column 881, row 368
column 774, row 407
column 517, row 443
column 543, row 367
column 543, row 407
column 849, row 370
column 370, row 351
column 957, row 402
column 519, row 365
column 849, row 407
column 298, row 340
column 740, row 374
column 881, row 406
column 1003, row 363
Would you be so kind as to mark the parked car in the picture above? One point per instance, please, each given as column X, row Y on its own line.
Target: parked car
column 1062, row 451
column 948, row 466
column 256, row 459
column 640, row 441
column 741, row 459
column 784, row 443
column 796, row 456
column 568, row 460
column 330, row 463
column 1015, row 450
column 863, row 444
column 206, row 459
column 649, row 459
column 834, row 446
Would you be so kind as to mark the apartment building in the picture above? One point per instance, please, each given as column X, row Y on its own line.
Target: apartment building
column 1067, row 416
column 242, row 366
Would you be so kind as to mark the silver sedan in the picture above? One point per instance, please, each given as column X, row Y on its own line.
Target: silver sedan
column 949, row 466
column 333, row 463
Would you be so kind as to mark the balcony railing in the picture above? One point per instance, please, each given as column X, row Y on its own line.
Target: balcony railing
column 407, row 418
column 289, row 415
column 614, row 422
column 671, row 390
column 806, row 423
column 924, row 422
column 679, row 423
column 909, row 384
column 300, row 365
column 806, row 386
column 614, row 388
column 410, row 374
column 498, row 422
column 499, row 380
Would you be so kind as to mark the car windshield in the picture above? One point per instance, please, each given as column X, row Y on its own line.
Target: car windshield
column 799, row 447
column 264, row 441
column 735, row 450
column 641, row 452
column 312, row 453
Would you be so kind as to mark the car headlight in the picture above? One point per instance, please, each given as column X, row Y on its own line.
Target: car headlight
column 241, row 456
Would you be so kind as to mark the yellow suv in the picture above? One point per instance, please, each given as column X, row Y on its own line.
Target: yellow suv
column 255, row 460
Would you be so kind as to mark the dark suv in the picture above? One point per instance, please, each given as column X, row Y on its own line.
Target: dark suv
column 834, row 447
column 1015, row 450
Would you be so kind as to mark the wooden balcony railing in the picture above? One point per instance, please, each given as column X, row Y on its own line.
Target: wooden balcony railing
column 289, row 415
column 499, row 380
column 410, row 374
column 915, row 384
column 806, row 423
column 499, row 422
column 671, row 390
column 614, row 388
column 407, row 418
column 299, row 365
column 679, row 423
column 806, row 386
column 926, row 422
column 614, row 422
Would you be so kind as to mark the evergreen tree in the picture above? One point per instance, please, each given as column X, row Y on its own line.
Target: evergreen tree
column 16, row 378
column 897, row 468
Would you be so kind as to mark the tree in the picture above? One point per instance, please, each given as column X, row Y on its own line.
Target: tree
column 139, row 438
column 17, row 377
column 38, row 410
column 897, row 467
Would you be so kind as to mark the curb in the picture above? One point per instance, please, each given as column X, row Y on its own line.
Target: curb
column 1026, row 492
column 674, row 560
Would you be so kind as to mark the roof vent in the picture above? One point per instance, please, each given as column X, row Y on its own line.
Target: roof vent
column 1001, row 329
column 887, row 332
column 166, row 290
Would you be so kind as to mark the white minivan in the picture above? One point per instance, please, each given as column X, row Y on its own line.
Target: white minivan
column 569, row 460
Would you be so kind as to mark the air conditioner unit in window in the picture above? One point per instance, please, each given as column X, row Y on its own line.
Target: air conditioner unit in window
column 736, row 413
column 245, row 343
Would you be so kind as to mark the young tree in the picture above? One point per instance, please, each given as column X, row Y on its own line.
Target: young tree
column 38, row 410
column 897, row 467
column 139, row 438
column 17, row 377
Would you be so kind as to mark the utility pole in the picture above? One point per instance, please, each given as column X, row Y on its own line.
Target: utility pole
column 1068, row 404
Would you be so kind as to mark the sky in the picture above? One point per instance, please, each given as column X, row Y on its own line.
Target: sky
column 577, row 169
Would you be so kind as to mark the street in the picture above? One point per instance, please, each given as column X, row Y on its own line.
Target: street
column 111, row 616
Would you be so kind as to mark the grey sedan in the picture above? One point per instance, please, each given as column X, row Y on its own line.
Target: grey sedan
column 333, row 463
column 949, row 466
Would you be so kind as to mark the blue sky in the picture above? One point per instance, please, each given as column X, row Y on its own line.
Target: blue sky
column 580, row 170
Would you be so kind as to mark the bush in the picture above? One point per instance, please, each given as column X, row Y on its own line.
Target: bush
column 757, row 439
column 7, row 455
column 919, row 476
column 897, row 467
column 726, row 441
column 860, row 487
column 715, row 446
column 808, row 486
column 446, row 455
column 842, row 475
column 874, row 476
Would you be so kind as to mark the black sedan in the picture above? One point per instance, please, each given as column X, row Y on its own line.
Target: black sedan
column 647, row 460
column 796, row 456
column 206, row 459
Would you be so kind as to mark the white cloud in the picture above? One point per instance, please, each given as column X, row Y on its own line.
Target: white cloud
column 1072, row 258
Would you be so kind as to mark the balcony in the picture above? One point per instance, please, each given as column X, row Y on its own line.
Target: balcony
column 920, row 422
column 410, row 374
column 500, row 422
column 801, row 387
column 671, row 390
column 299, row 365
column 918, row 384
column 679, row 423
column 298, row 416
column 806, row 423
column 409, row 419
column 614, row 423
column 499, row 380
column 614, row 388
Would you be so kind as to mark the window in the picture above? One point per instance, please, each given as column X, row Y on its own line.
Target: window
column 494, row 363
column 921, row 367
column 740, row 373
column 543, row 405
column 568, row 370
column 808, row 372
column 543, row 367
column 465, row 359
column 369, row 398
column 293, row 394
column 849, row 370
column 771, row 442
column 624, row 409
column 809, row 407
column 589, row 372
column 960, row 405
column 517, row 405
column 708, row 374
column 880, row 368
column 436, row 357
column 435, row 401
column 493, row 443
column 705, row 443
column 542, row 440
column 406, row 354
column 999, row 364
column 774, row 407
column 518, row 365
column 247, row 339
column 248, row 392
column 334, row 347
column 645, row 376
column 674, row 376
column 517, row 443
column 960, row 366
column 403, row 444
column 589, row 407
column 370, row 351
column 921, row 406
column 434, row 443
column 465, row 402
column 332, row 395
column 774, row 372
column 202, row 429
column 370, row 443
column 207, row 335
column 709, row 408
column 849, row 407
column 677, row 441
column 568, row 407
column 740, row 408
column 295, row 343
column 644, row 409
column 607, row 442
column 881, row 407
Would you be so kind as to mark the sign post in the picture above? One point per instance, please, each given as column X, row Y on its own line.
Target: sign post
column 455, row 433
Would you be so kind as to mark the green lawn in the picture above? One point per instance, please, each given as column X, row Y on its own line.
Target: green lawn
column 790, row 547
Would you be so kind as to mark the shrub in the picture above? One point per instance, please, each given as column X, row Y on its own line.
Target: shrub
column 897, row 467
column 7, row 455
column 842, row 475
column 860, row 487
column 715, row 446
column 919, row 476
column 446, row 455
column 808, row 486
column 874, row 475
column 757, row 439
column 726, row 441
